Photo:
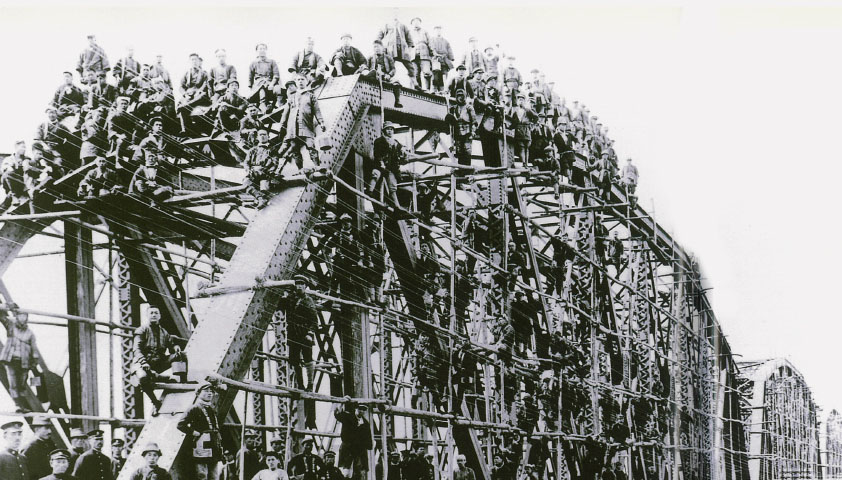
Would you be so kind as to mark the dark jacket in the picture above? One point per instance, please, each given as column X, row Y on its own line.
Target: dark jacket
column 93, row 465
column 13, row 466
column 202, row 419
column 37, row 455
column 350, row 59
column 301, row 120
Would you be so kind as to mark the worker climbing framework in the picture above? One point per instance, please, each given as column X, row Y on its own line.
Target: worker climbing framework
column 621, row 358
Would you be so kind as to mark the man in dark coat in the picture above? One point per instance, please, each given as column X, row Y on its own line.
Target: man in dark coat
column 331, row 471
column 347, row 59
column 306, row 465
column 462, row 121
column 154, row 352
column 92, row 58
column 523, row 120
column 12, row 463
column 117, row 458
column 59, row 465
column 300, row 123
column 389, row 155
column 356, row 439
column 79, row 444
column 37, row 452
column 442, row 60
column 93, row 464
column 399, row 44
column 68, row 98
column 201, row 425
column 380, row 67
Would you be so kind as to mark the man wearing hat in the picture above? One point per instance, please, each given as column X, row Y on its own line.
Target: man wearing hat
column 421, row 55
column 538, row 89
column 347, row 59
column 300, row 124
column 93, row 464
column 356, row 439
column 159, row 70
column 51, row 132
column 68, row 98
column 460, row 82
column 522, row 118
column 152, row 145
column 12, row 463
column 37, row 451
column 381, row 67
column 630, row 176
column 347, row 262
column 194, row 91
column 273, row 470
column 154, row 352
column 231, row 107
column 59, row 466
column 331, row 471
column 264, row 75
column 249, row 125
column 306, row 465
column 117, row 458
column 302, row 322
column 150, row 453
column 201, row 425
column 389, row 155
column 476, row 80
column 120, row 128
column 492, row 59
column 19, row 354
column 92, row 58
column 395, row 469
column 462, row 122
column 474, row 58
column 442, row 58
column 277, row 445
column 511, row 78
column 260, row 164
column 78, row 445
column 11, row 177
column 140, row 87
column 397, row 42
column 220, row 75
column 102, row 93
column 126, row 69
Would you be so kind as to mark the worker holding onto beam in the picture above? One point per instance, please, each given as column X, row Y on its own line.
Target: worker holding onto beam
column 19, row 355
column 201, row 425
column 154, row 353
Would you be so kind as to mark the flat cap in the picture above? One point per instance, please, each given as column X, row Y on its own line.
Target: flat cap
column 388, row 125
column 346, row 35
column 118, row 442
column 472, row 39
column 12, row 426
column 414, row 19
column 96, row 433
column 60, row 453
column 232, row 81
column 461, row 67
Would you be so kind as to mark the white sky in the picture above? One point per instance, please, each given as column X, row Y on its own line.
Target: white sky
column 730, row 112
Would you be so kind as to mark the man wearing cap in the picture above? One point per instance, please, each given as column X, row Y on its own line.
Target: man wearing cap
column 154, row 352
column 347, row 59
column 300, row 124
column 331, row 471
column 102, row 93
column 381, row 67
column 51, row 132
column 421, row 55
column 230, row 108
column 389, row 155
column 78, row 445
column 395, row 469
column 397, row 42
column 476, row 80
column 462, row 121
column 492, row 59
column 302, row 322
column 306, row 465
column 120, row 127
column 249, row 125
column 152, row 145
column 356, row 439
column 264, row 75
column 220, row 75
column 442, row 58
column 20, row 354
column 251, row 463
column 630, row 176
column 59, row 466
column 140, row 86
column 260, row 164
column 151, row 453
column 126, row 69
column 68, row 98
column 93, row 58
column 522, row 119
column 158, row 102
column 201, row 425
column 159, row 70
column 474, row 58
column 511, row 77
column 194, row 91
column 539, row 91
column 117, row 458
column 460, row 82
column 273, row 470
column 12, row 463
column 37, row 451
column 93, row 464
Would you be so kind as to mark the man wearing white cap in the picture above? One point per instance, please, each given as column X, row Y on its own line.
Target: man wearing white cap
column 79, row 444
column 201, row 425
column 151, row 453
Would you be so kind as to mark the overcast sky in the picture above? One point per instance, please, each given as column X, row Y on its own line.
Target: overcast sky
column 731, row 113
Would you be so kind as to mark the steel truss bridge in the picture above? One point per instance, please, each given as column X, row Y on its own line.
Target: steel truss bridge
column 640, row 371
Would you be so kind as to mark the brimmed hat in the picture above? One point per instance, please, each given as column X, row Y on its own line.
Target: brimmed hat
column 77, row 433
column 388, row 125
column 150, row 447
column 60, row 453
column 12, row 426
column 95, row 433
column 41, row 421
column 345, row 35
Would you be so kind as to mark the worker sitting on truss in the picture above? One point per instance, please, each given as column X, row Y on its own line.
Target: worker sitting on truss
column 154, row 353
column 194, row 93
column 20, row 353
column 389, row 155
column 145, row 179
column 380, row 68
column 229, row 109
column 260, row 163
column 99, row 182
column 249, row 125
column 300, row 123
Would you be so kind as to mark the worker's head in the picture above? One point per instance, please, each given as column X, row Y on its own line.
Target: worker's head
column 307, row 445
column 206, row 392
column 92, row 40
column 221, row 55
column 498, row 461
column 22, row 319
column 195, row 60
column 68, row 78
column 41, row 428
column 117, row 446
column 261, row 49
column 388, row 129
column 308, row 44
column 59, row 461
column 277, row 444
column 12, row 432
column 300, row 81
column 95, row 439
column 78, row 439
column 232, row 87
column 151, row 454
column 461, row 461
column 157, row 126
column 262, row 136
column 154, row 314
column 416, row 22
column 473, row 42
column 394, row 458
column 20, row 147
column 330, row 457
column 252, row 439
column 420, row 450
column 378, row 47
column 52, row 114
column 437, row 30
column 359, row 410
column 159, row 59
column 461, row 71
column 346, row 39
column 272, row 460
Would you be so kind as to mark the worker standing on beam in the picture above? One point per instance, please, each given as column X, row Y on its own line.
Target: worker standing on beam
column 462, row 119
column 389, row 155
column 19, row 355
column 201, row 425
column 356, row 439
column 630, row 176
column 154, row 353
column 300, row 123
column 442, row 61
